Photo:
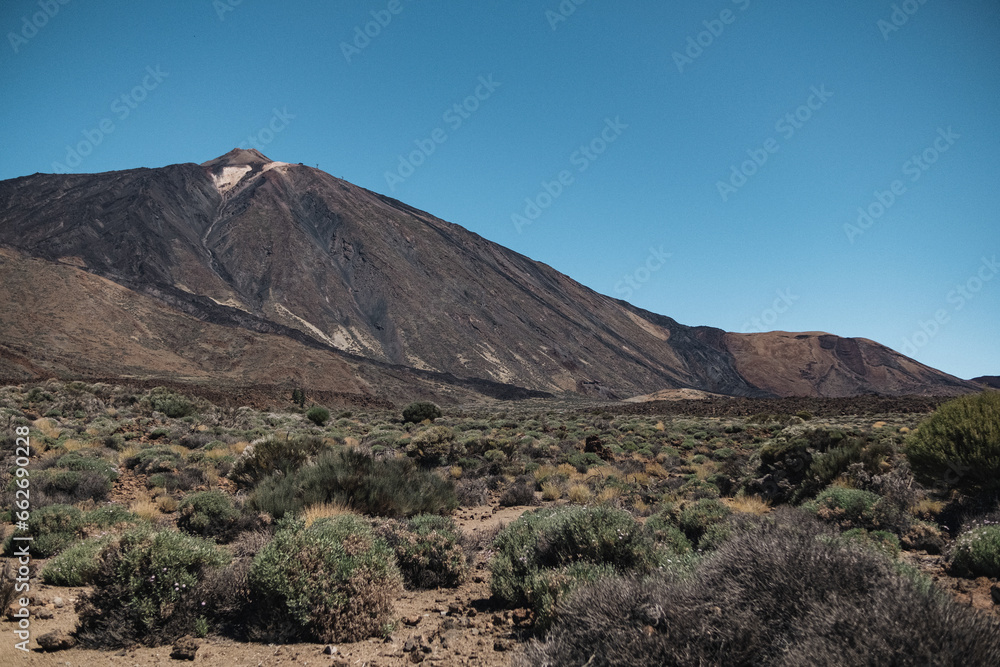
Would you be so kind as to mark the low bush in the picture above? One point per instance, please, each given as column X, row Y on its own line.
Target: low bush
column 519, row 494
column 110, row 516
column 170, row 403
column 545, row 553
column 207, row 513
column 318, row 415
column 419, row 411
column 383, row 487
column 959, row 445
column 152, row 460
column 145, row 589
column 76, row 565
column 274, row 456
column 976, row 552
column 52, row 529
column 782, row 593
column 472, row 492
column 855, row 508
column 335, row 580
column 435, row 446
column 428, row 550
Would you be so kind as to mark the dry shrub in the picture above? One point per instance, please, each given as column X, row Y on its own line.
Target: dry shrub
column 784, row 592
column 579, row 494
column 551, row 491
column 744, row 504
column 324, row 511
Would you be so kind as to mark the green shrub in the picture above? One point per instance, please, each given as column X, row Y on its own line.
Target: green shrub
column 76, row 565
column 551, row 549
column 959, row 445
column 419, row 411
column 169, row 403
column 335, row 580
column 110, row 516
column 434, row 446
column 154, row 460
column 383, row 487
column 57, row 485
column 52, row 529
column 663, row 529
column 207, row 513
column 428, row 550
column 318, row 415
column 854, row 508
column 880, row 540
column 92, row 462
column 145, row 589
column 976, row 552
column 274, row 456
column 696, row 518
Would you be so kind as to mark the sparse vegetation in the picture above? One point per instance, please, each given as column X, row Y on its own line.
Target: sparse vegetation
column 419, row 411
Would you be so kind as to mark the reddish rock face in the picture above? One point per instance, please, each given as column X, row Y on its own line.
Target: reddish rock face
column 248, row 270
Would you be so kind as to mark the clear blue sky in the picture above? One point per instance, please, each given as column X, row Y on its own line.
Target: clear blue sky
column 200, row 77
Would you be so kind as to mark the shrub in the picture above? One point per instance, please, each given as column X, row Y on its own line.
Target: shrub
column 144, row 589
column 77, row 565
column 318, row 415
column 207, row 513
column 783, row 592
column 976, row 552
column 435, row 445
column 109, row 516
column 52, row 528
column 169, row 403
column 419, row 411
column 534, row 554
column 274, row 456
column 384, row 487
column 69, row 486
column 472, row 492
column 696, row 518
column 854, row 508
column 959, row 445
column 427, row 550
column 334, row 580
column 154, row 460
column 520, row 493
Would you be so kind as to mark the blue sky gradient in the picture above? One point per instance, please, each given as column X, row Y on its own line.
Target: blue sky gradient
column 740, row 138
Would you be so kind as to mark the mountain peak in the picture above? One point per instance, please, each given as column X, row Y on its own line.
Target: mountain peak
column 238, row 157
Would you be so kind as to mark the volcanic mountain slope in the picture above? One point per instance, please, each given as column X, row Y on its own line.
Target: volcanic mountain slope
column 282, row 250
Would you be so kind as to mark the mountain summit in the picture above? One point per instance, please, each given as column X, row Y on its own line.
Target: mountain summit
column 246, row 270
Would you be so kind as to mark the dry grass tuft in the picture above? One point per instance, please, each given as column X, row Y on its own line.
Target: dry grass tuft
column 609, row 495
column 657, row 470
column 146, row 509
column 551, row 491
column 743, row 504
column 47, row 426
column 456, row 472
column 167, row 504
column 579, row 494
column 314, row 513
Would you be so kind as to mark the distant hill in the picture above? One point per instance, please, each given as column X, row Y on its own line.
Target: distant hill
column 243, row 270
column 992, row 381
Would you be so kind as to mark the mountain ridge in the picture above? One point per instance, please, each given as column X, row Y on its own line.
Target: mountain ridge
column 286, row 250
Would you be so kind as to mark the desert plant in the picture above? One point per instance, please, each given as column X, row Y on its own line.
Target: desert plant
column 207, row 513
column 520, row 493
column 318, row 415
column 976, row 552
column 384, row 487
column 76, row 565
column 545, row 553
column 783, row 592
column 52, row 529
column 959, row 445
column 334, row 580
column 144, row 589
column 428, row 550
column 274, row 456
column 419, row 411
